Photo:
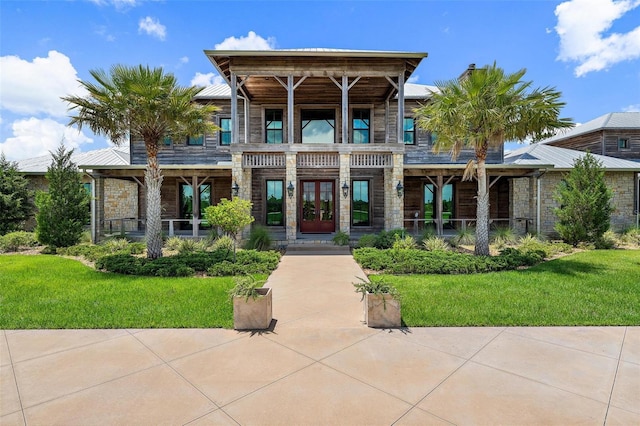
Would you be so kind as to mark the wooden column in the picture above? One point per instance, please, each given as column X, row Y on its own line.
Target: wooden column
column 247, row 132
column 400, row 129
column 439, row 187
column 234, row 109
column 195, row 206
column 345, row 109
column 290, row 90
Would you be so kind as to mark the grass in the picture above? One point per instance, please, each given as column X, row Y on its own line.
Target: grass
column 587, row 288
column 53, row 292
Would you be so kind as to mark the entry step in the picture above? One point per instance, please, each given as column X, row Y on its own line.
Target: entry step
column 316, row 248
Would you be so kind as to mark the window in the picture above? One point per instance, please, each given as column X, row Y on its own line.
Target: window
column 186, row 201
column 360, row 208
column 273, row 126
column 623, row 143
column 433, row 137
column 409, row 131
column 166, row 141
column 195, row 140
column 430, row 203
column 361, row 124
column 275, row 203
column 318, row 126
column 225, row 131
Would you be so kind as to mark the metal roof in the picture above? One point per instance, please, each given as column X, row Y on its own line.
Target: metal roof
column 563, row 158
column 223, row 91
column 319, row 52
column 113, row 156
column 612, row 120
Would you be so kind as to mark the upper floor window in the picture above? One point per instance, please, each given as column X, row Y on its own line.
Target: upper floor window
column 409, row 131
column 195, row 140
column 361, row 124
column 318, row 125
column 623, row 143
column 273, row 125
column 166, row 141
column 225, row 131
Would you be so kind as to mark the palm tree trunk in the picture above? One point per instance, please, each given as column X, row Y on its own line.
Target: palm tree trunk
column 153, row 182
column 482, row 213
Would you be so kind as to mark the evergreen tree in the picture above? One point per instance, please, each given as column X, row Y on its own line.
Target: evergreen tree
column 64, row 209
column 585, row 202
column 16, row 204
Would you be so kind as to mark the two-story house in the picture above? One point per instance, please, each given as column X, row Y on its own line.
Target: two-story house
column 321, row 140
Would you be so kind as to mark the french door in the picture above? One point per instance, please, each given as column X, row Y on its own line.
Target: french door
column 317, row 206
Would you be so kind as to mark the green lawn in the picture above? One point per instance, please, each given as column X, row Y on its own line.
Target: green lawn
column 53, row 292
column 587, row 288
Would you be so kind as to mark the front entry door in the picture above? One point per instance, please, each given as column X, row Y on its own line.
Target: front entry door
column 317, row 207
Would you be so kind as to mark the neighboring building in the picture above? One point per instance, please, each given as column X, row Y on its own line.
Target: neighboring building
column 320, row 141
column 535, row 194
column 120, row 198
column 616, row 134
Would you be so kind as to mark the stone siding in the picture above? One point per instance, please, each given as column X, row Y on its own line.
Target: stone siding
column 120, row 199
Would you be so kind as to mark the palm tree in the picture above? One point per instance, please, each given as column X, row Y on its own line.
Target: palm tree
column 140, row 102
column 482, row 110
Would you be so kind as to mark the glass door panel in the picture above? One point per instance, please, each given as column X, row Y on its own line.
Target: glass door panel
column 318, row 207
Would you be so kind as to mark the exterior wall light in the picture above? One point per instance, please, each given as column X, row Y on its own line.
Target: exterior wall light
column 400, row 189
column 345, row 190
column 290, row 189
column 235, row 189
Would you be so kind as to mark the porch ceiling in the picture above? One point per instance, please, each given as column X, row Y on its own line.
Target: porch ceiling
column 258, row 69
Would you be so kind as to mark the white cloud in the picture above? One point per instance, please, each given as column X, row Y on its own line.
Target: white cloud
column 184, row 60
column 34, row 137
column 632, row 108
column 251, row 42
column 36, row 87
column 120, row 5
column 152, row 27
column 581, row 24
column 413, row 79
column 206, row 79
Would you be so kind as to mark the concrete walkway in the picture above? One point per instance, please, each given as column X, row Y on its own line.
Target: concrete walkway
column 321, row 366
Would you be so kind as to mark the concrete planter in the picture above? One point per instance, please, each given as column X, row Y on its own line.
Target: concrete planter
column 382, row 311
column 253, row 314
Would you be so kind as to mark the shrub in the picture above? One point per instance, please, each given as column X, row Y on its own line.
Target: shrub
column 16, row 204
column 121, row 264
column 173, row 243
column 585, row 202
column 216, row 263
column 442, row 262
column 405, row 243
column 115, row 245
column 386, row 239
column 435, row 244
column 64, row 209
column 341, row 238
column 631, row 236
column 466, row 237
column 367, row 240
column 19, row 240
column 504, row 236
column 189, row 245
column 607, row 241
column 259, row 239
column 223, row 242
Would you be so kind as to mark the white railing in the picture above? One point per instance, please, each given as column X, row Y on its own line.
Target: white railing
column 314, row 159
column 417, row 226
column 371, row 160
column 263, row 160
column 132, row 226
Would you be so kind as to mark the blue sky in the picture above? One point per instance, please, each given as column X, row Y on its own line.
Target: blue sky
column 588, row 49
